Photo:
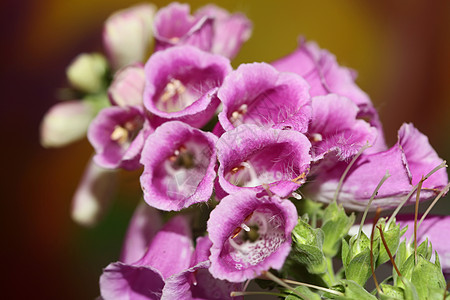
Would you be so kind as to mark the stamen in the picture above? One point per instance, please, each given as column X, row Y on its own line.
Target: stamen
column 173, row 88
column 119, row 135
column 245, row 227
column 316, row 137
column 238, row 114
column 297, row 196
column 299, row 178
column 174, row 39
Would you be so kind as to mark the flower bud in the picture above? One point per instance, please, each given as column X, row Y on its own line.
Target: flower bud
column 65, row 123
column 127, row 34
column 86, row 73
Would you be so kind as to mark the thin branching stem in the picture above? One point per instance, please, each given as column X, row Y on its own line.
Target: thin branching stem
column 416, row 212
column 388, row 251
column 283, row 284
column 314, row 287
column 375, row 221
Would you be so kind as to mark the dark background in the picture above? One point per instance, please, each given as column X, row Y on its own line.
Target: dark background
column 401, row 50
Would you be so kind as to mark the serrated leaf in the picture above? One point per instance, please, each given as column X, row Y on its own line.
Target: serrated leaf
column 391, row 292
column 359, row 269
column 335, row 226
column 392, row 238
column 425, row 276
column 307, row 247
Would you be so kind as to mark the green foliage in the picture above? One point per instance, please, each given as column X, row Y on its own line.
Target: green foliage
column 307, row 247
column 303, row 290
column 335, row 226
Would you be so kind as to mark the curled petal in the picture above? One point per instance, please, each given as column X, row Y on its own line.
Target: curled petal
column 143, row 226
column 254, row 158
column 179, row 166
column 117, row 135
column 259, row 94
column 174, row 26
column 407, row 161
column 249, row 235
column 181, row 84
column 335, row 127
column 230, row 30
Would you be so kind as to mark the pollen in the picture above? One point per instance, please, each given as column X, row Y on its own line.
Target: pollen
column 238, row 114
column 173, row 88
column 120, row 135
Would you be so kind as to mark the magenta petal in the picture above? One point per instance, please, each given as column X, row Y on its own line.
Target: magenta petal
column 179, row 166
column 171, row 249
column 258, row 94
column 143, row 226
column 181, row 84
column 406, row 162
column 120, row 281
column 254, row 158
column 334, row 127
column 196, row 282
column 421, row 157
column 127, row 86
column 175, row 26
column 117, row 135
column 235, row 255
column 230, row 30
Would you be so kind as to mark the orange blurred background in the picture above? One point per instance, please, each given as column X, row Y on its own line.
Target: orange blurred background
column 401, row 50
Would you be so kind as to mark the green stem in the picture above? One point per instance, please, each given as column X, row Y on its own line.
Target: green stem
column 329, row 277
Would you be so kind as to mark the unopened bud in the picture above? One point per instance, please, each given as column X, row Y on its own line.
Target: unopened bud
column 86, row 73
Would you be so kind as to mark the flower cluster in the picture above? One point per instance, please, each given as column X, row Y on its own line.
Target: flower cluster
column 249, row 143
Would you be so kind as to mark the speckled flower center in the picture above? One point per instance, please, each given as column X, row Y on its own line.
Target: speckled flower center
column 182, row 158
column 237, row 116
column 260, row 234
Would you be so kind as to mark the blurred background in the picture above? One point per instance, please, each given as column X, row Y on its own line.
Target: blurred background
column 401, row 50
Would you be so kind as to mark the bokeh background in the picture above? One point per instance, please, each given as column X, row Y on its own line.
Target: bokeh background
column 401, row 50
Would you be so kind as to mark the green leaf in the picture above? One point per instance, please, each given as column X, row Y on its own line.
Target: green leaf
column 303, row 290
column 353, row 290
column 307, row 247
column 427, row 275
column 409, row 290
column 400, row 259
column 335, row 226
column 391, row 292
column 392, row 238
column 358, row 259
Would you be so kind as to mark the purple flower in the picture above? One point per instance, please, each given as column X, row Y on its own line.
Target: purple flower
column 258, row 94
column 254, row 158
column 249, row 235
column 144, row 225
column 211, row 29
column 175, row 26
column 179, row 166
column 169, row 253
column 181, row 83
column 433, row 228
column 407, row 161
column 127, row 34
column 127, row 86
column 321, row 70
column 196, row 282
column 230, row 30
column 335, row 128
column 117, row 135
